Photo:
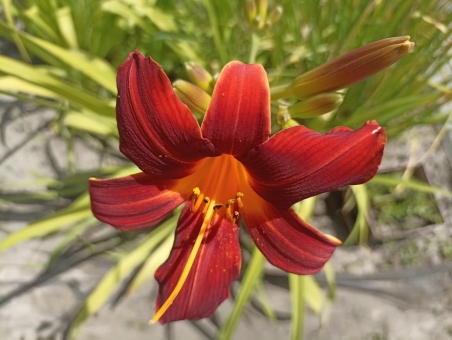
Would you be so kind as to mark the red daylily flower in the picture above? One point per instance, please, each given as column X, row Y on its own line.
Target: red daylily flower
column 228, row 167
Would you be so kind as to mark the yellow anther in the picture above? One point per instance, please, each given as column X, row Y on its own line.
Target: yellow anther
column 230, row 202
column 206, row 201
column 236, row 216
column 194, row 199
column 239, row 196
column 214, row 215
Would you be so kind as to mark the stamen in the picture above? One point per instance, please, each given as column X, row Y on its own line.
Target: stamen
column 239, row 196
column 229, row 209
column 191, row 259
column 196, row 193
column 214, row 215
column 206, row 201
column 236, row 216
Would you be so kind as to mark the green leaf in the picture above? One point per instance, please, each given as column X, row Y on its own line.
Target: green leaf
column 66, row 25
column 95, row 68
column 330, row 276
column 265, row 301
column 7, row 12
column 312, row 294
column 124, row 267
column 77, row 211
column 101, row 125
column 155, row 259
column 35, row 15
column 411, row 184
column 297, row 298
column 72, row 233
column 252, row 275
column 14, row 84
column 360, row 231
column 127, row 13
column 164, row 21
column 41, row 78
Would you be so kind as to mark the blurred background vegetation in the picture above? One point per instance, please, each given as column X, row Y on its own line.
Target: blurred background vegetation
column 65, row 58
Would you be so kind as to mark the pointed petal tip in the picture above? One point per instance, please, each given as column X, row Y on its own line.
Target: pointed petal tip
column 300, row 163
column 287, row 241
column 238, row 118
column 334, row 240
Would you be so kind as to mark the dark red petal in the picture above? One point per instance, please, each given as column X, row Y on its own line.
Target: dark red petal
column 133, row 202
column 298, row 163
column 157, row 131
column 238, row 117
column 285, row 240
column 217, row 264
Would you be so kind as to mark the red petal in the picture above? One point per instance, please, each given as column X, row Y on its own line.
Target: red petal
column 285, row 240
column 298, row 163
column 157, row 131
column 217, row 264
column 238, row 117
column 133, row 202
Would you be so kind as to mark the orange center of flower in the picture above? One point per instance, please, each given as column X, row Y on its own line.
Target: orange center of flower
column 215, row 186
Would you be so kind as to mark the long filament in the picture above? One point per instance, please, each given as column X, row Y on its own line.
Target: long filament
column 191, row 259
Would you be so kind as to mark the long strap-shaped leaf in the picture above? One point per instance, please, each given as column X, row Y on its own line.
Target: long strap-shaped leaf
column 124, row 267
column 95, row 68
column 40, row 77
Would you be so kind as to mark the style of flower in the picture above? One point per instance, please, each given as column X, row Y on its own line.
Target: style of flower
column 226, row 170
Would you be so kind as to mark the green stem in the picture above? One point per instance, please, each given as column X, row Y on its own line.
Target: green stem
column 296, row 290
column 255, row 42
column 281, row 91
column 252, row 275
column 216, row 32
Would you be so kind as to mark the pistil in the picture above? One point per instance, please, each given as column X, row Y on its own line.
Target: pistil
column 210, row 213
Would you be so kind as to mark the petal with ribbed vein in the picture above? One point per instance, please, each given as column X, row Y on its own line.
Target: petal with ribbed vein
column 133, row 202
column 216, row 265
column 286, row 241
column 238, row 117
column 157, row 131
column 298, row 163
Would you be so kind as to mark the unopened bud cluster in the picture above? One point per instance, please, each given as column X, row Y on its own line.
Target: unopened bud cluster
column 259, row 16
column 316, row 88
column 196, row 95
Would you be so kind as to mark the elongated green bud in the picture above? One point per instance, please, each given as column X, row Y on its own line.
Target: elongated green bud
column 192, row 96
column 348, row 69
column 275, row 15
column 251, row 10
column 316, row 105
column 200, row 76
column 262, row 8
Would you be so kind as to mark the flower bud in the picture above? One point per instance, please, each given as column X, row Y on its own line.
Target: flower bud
column 348, row 69
column 192, row 96
column 290, row 123
column 251, row 11
column 200, row 76
column 283, row 115
column 316, row 105
column 262, row 7
column 275, row 15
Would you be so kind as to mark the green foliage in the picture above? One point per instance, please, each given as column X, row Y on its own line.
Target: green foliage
column 70, row 50
column 407, row 208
